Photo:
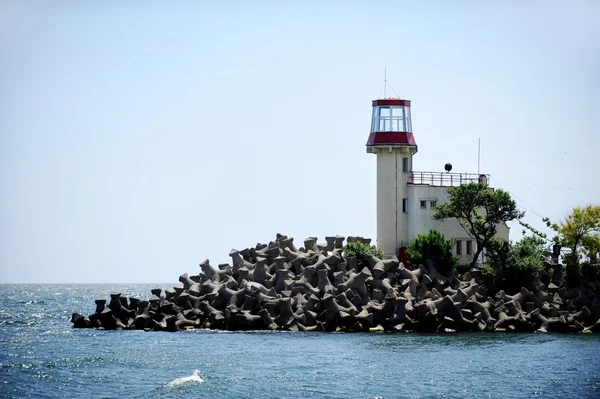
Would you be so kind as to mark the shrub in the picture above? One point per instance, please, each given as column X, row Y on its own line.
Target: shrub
column 377, row 252
column 527, row 254
column 434, row 246
column 546, row 275
column 573, row 271
column 590, row 271
column 490, row 277
column 462, row 269
column 359, row 250
column 514, row 265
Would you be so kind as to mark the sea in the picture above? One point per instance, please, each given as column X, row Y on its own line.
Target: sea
column 42, row 356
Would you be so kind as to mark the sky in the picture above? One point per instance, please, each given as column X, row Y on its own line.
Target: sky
column 138, row 140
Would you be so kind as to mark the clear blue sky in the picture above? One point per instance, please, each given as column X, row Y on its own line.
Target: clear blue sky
column 137, row 140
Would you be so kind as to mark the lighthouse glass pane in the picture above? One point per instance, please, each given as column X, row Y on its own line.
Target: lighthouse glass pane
column 384, row 124
column 374, row 122
column 398, row 111
column 384, row 111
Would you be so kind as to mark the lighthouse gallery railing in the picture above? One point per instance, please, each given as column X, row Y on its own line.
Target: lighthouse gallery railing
column 446, row 179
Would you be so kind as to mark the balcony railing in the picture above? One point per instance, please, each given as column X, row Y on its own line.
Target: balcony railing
column 446, row 179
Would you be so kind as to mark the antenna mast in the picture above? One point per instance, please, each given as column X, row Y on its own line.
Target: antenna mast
column 478, row 153
column 384, row 82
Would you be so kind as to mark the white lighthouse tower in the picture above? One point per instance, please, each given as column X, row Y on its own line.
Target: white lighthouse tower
column 392, row 140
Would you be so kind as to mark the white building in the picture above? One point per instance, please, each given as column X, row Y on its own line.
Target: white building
column 406, row 199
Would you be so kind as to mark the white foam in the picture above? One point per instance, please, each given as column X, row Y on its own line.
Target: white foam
column 190, row 379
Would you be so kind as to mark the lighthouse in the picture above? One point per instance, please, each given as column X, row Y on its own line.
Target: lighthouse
column 391, row 140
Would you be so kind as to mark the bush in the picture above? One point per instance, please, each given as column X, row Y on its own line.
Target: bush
column 578, row 272
column 512, row 266
column 434, row 246
column 590, row 271
column 462, row 269
column 359, row 250
column 498, row 255
column 527, row 254
column 573, row 271
column 546, row 275
column 490, row 277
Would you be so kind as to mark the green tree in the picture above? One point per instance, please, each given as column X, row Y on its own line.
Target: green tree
column 581, row 228
column 479, row 210
column 434, row 246
column 592, row 245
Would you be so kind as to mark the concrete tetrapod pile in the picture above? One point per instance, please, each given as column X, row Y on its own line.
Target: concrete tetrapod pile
column 317, row 288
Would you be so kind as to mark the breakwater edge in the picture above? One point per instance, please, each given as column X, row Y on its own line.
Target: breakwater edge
column 276, row 286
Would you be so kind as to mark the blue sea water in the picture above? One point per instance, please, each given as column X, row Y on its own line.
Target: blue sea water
column 41, row 356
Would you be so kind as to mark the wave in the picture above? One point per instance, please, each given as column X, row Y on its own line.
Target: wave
column 190, row 379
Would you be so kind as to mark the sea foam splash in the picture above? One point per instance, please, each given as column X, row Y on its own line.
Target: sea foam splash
column 190, row 379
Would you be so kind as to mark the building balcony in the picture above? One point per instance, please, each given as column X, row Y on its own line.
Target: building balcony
column 445, row 179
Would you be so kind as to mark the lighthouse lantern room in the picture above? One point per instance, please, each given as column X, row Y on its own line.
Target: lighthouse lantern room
column 391, row 123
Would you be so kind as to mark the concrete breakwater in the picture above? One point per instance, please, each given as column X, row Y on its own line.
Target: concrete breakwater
column 317, row 287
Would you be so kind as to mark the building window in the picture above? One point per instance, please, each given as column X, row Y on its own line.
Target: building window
column 405, row 205
column 405, row 165
column 469, row 247
column 458, row 247
column 423, row 204
column 432, row 204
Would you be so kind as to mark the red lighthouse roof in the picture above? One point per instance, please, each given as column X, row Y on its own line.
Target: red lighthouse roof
column 391, row 123
column 391, row 101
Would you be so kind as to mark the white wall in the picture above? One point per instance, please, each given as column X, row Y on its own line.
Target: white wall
column 387, row 200
column 392, row 187
column 420, row 220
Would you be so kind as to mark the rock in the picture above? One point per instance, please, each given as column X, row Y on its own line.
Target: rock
column 79, row 321
column 317, row 288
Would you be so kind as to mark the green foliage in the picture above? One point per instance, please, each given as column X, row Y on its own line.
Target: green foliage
column 378, row 253
column 525, row 261
column 591, row 243
column 547, row 275
column 498, row 254
column 582, row 228
column 527, row 254
column 434, row 246
column 573, row 271
column 479, row 209
column 538, row 233
column 512, row 266
column 462, row 269
column 359, row 250
column 490, row 277
column 590, row 271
